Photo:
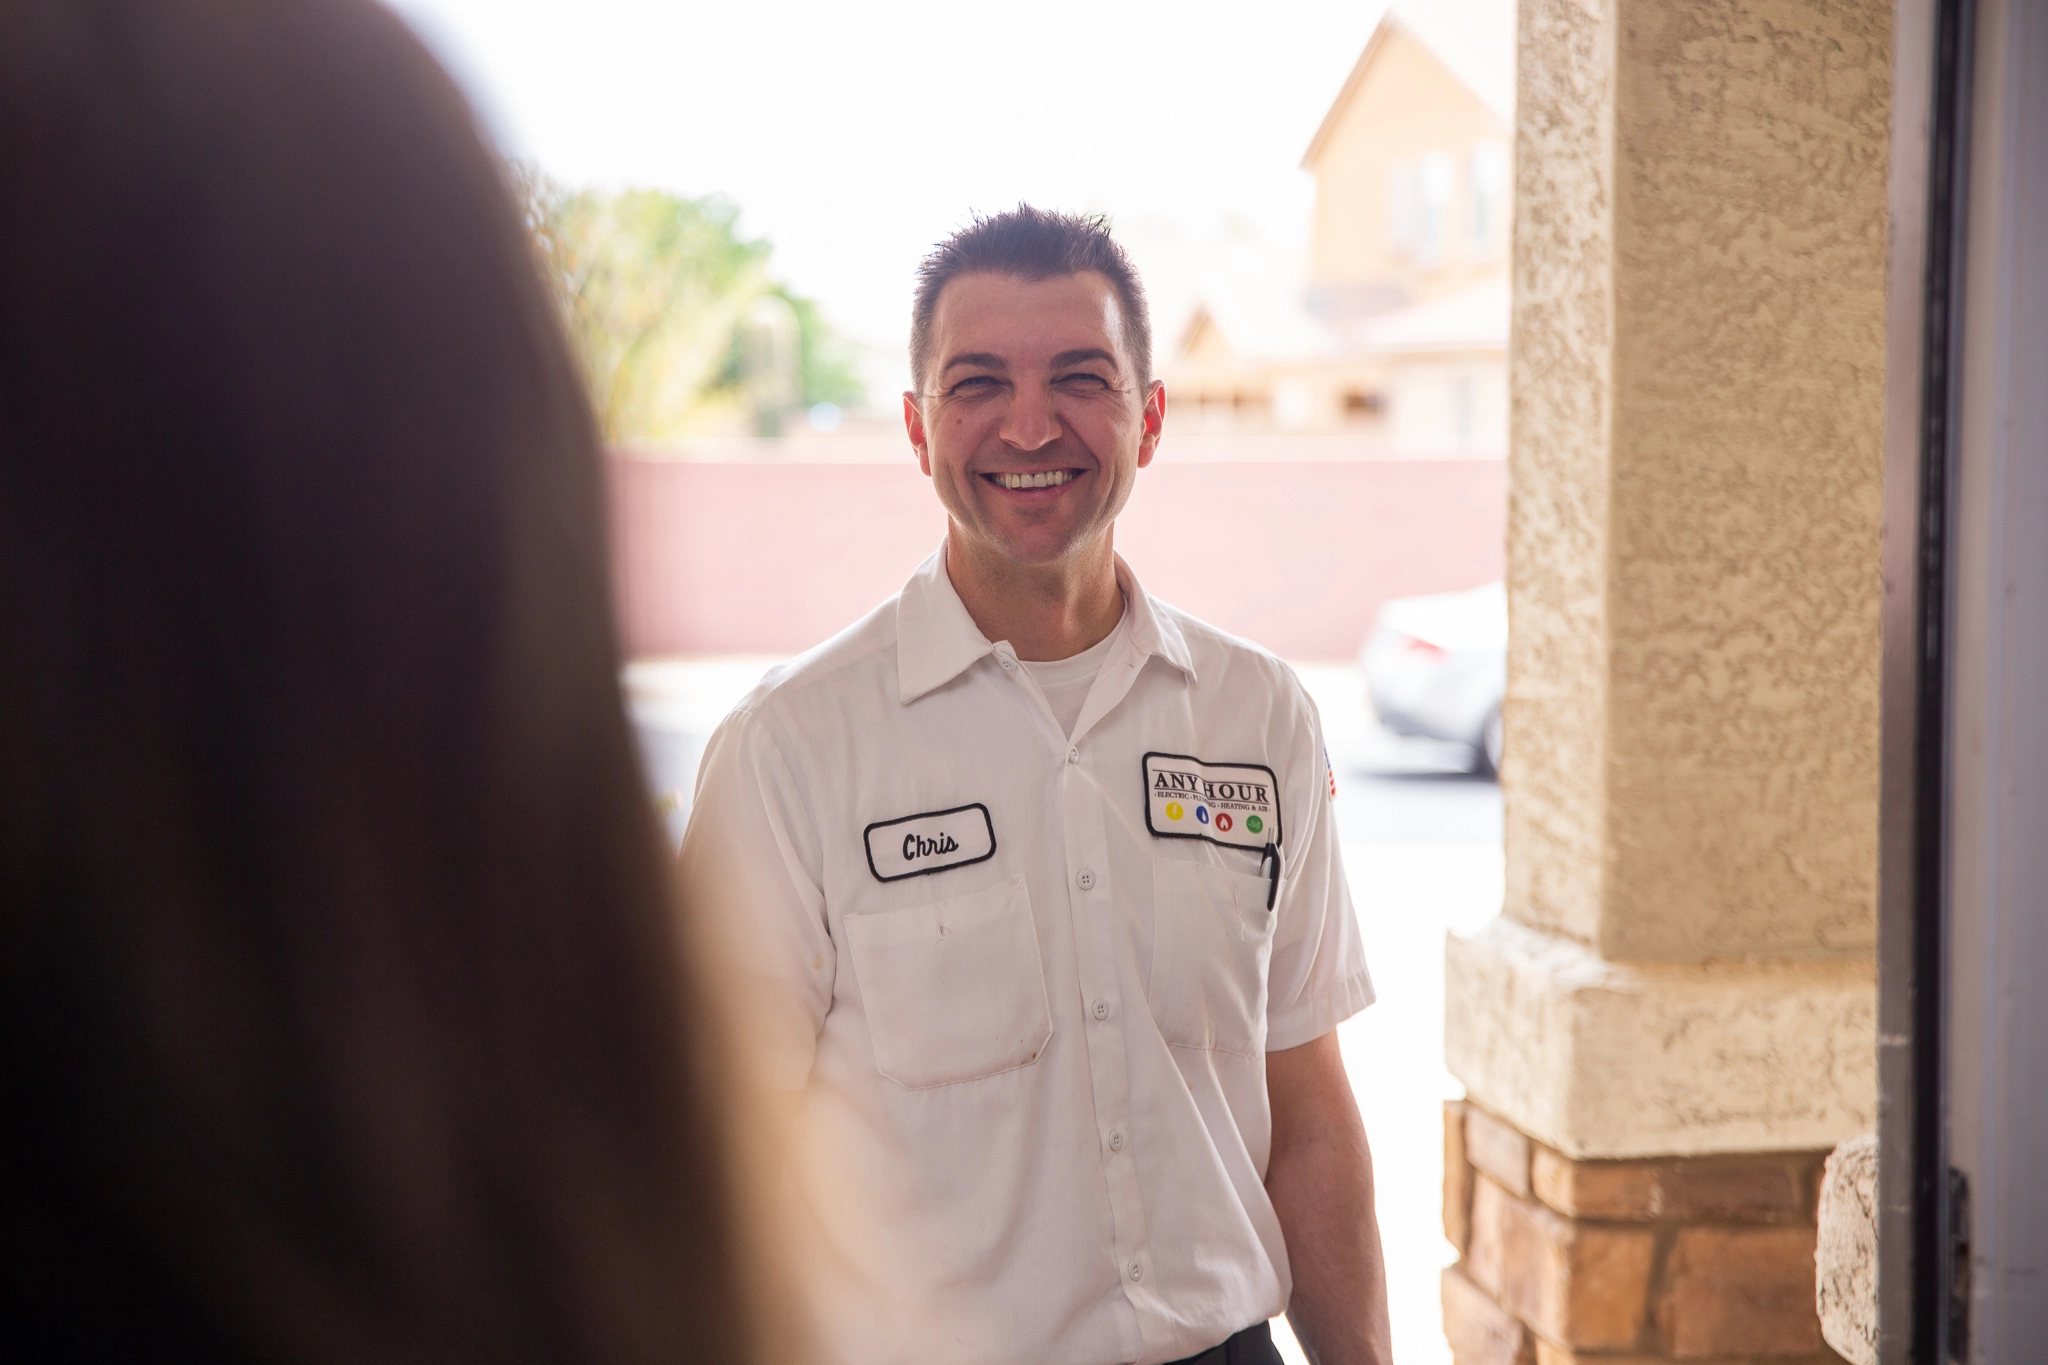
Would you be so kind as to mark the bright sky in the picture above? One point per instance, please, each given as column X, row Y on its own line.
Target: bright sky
column 854, row 135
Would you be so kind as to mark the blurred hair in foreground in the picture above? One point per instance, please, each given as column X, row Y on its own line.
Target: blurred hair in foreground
column 342, row 1009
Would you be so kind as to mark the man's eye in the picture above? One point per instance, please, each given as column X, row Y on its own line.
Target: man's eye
column 1081, row 379
column 974, row 383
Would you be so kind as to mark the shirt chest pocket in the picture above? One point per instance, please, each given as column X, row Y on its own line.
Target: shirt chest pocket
column 1212, row 938
column 953, row 991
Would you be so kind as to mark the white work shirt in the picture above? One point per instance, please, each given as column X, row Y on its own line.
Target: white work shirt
column 1030, row 1032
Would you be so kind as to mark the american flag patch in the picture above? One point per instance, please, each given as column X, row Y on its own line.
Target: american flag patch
column 1330, row 769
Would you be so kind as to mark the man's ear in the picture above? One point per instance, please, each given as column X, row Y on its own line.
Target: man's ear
column 1154, row 418
column 913, row 426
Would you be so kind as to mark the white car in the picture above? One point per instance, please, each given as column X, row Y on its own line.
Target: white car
column 1436, row 666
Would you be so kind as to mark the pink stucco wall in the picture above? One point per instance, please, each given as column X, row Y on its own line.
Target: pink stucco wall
column 772, row 557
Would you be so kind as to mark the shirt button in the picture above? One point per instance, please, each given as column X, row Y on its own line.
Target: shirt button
column 1073, row 755
column 1102, row 1009
column 1008, row 662
column 1116, row 1141
column 1137, row 1271
column 1086, row 879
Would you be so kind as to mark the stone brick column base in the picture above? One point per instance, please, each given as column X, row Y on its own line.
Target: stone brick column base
column 1706, row 1260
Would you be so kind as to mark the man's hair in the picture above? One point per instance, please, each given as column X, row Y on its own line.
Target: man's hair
column 1031, row 244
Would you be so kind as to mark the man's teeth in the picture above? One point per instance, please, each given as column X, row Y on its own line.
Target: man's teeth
column 1052, row 478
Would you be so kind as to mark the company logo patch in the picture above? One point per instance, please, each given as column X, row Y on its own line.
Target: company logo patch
column 1233, row 804
column 917, row 844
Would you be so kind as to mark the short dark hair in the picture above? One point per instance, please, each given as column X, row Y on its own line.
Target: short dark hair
column 1031, row 244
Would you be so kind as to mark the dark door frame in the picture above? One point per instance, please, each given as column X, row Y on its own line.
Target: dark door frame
column 1930, row 81
column 1963, row 882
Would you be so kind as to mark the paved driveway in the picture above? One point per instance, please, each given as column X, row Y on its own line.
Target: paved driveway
column 1423, row 853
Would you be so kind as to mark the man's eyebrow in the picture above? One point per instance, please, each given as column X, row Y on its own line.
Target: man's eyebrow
column 982, row 360
column 1081, row 356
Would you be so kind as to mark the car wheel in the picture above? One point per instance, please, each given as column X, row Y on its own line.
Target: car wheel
column 1486, row 753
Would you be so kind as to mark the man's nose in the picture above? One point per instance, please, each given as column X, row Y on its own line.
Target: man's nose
column 1031, row 423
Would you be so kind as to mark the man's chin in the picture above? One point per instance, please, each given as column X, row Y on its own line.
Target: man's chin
column 1039, row 551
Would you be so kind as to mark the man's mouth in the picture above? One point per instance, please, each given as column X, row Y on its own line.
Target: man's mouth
column 1046, row 478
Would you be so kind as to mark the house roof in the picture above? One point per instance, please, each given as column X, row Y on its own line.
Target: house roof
column 1474, row 319
column 1474, row 39
column 1257, row 325
column 1274, row 327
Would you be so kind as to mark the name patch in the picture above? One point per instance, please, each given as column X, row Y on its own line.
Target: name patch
column 932, row 842
column 1234, row 804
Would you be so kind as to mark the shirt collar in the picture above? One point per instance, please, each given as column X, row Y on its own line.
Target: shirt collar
column 937, row 641
column 1152, row 631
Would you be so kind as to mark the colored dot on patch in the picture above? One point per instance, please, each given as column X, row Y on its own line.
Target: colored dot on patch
column 1174, row 810
column 1254, row 823
column 1223, row 821
column 1202, row 814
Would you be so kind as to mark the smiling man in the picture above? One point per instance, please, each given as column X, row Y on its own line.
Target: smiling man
column 1038, row 890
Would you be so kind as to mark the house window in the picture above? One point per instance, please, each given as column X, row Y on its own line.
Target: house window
column 1359, row 403
column 1489, row 202
column 1436, row 181
column 1419, row 195
column 1402, row 205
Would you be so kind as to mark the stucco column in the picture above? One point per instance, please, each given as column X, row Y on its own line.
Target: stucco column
column 1683, row 966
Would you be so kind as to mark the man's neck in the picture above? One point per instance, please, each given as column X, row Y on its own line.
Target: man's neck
column 1045, row 611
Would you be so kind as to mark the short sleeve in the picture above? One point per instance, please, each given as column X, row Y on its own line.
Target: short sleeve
column 750, row 868
column 1317, row 978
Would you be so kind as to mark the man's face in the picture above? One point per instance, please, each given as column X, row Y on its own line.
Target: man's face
column 1032, row 425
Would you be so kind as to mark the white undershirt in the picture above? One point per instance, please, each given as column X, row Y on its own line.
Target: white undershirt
column 1067, row 682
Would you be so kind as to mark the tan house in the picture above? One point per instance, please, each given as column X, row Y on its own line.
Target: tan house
column 1401, row 330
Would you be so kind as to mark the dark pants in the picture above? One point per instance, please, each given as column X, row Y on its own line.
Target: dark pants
column 1252, row 1346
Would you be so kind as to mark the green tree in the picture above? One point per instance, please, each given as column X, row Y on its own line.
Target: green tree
column 655, row 290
